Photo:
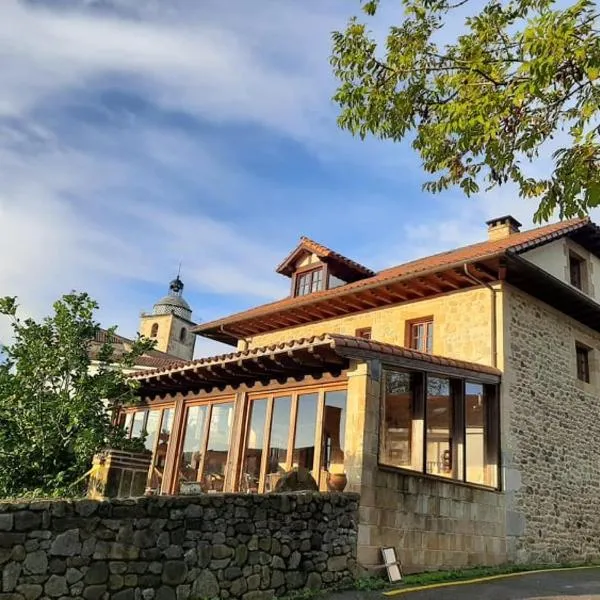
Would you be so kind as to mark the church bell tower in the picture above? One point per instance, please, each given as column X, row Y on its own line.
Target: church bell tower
column 170, row 323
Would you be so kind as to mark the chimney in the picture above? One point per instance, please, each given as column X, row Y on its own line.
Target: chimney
column 502, row 227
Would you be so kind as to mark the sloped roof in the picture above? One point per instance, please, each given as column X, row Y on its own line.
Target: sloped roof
column 474, row 253
column 326, row 254
column 325, row 352
column 152, row 359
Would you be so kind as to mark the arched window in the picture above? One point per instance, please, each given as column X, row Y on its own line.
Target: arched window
column 182, row 334
column 154, row 330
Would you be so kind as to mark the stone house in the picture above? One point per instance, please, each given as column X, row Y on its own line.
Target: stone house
column 458, row 393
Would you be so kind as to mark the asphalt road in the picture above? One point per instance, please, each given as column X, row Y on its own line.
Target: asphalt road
column 580, row 584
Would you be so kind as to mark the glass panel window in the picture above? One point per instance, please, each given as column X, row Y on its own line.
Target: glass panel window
column 152, row 429
column 278, row 445
column 254, row 446
column 309, row 282
column 191, row 453
column 402, row 431
column 439, row 427
column 334, row 431
column 576, row 266
column 218, row 446
column 335, row 282
column 137, row 425
column 127, row 422
column 475, row 434
column 421, row 336
column 160, row 456
column 583, row 363
column 304, row 440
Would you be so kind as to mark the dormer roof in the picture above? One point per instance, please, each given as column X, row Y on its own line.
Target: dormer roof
column 348, row 269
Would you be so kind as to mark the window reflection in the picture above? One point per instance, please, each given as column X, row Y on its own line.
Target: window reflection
column 218, row 446
column 151, row 429
column 334, row 431
column 191, row 454
column 475, row 432
column 254, row 446
column 402, row 435
column 439, row 427
column 160, row 456
column 127, row 423
column 304, row 440
column 278, row 445
column 137, row 425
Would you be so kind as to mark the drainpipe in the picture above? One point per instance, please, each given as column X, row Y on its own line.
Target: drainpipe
column 494, row 317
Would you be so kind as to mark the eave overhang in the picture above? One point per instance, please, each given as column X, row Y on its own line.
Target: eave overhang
column 540, row 284
column 360, row 296
column 297, row 359
column 406, row 283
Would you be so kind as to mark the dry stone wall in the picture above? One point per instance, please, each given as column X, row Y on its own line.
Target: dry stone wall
column 177, row 548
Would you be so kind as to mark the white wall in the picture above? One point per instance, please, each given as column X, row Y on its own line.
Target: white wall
column 554, row 258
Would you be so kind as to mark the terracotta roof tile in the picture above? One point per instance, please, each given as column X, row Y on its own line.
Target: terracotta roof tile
column 516, row 242
column 322, row 252
column 332, row 340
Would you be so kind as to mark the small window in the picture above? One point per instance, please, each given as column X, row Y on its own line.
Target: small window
column 583, row 363
column 576, row 271
column 154, row 330
column 420, row 335
column 364, row 333
column 182, row 334
column 309, row 282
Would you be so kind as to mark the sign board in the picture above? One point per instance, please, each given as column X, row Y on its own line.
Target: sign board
column 391, row 564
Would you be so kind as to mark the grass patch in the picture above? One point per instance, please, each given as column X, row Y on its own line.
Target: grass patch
column 381, row 583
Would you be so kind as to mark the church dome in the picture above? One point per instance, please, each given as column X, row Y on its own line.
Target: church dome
column 173, row 302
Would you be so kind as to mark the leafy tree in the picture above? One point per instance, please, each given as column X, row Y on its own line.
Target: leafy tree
column 53, row 412
column 519, row 77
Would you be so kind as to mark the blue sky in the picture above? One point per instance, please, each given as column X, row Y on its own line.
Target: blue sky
column 135, row 134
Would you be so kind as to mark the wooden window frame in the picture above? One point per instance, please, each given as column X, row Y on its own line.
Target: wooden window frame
column 154, row 330
column 363, row 333
column 309, row 270
column 181, row 431
column 577, row 271
column 408, row 333
column 271, row 396
column 582, row 367
column 161, row 408
column 492, row 451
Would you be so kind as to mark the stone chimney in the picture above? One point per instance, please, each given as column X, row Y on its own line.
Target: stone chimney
column 502, row 227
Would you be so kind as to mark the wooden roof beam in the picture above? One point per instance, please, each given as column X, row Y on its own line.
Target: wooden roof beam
column 346, row 302
column 367, row 299
column 427, row 284
column 447, row 279
column 395, row 293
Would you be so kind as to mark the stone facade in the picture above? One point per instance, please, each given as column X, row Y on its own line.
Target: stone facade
column 175, row 548
column 551, row 424
column 462, row 325
column 432, row 523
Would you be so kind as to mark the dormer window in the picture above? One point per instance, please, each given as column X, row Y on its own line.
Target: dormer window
column 313, row 268
column 309, row 282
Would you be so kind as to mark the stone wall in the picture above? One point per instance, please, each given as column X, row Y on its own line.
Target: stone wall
column 462, row 325
column 432, row 524
column 175, row 548
column 551, row 428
